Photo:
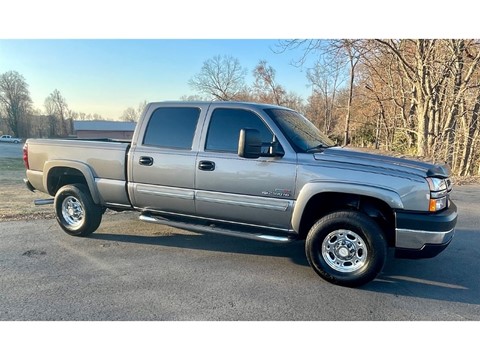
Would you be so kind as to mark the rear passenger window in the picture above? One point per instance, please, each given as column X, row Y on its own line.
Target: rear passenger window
column 172, row 127
column 225, row 126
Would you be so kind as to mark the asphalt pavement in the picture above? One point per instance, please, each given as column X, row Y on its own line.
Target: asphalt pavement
column 10, row 150
column 130, row 270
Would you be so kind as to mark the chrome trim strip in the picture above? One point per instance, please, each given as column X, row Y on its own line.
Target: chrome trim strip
column 115, row 205
column 176, row 193
column 256, row 202
column 417, row 239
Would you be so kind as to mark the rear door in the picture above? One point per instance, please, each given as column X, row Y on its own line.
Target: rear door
column 162, row 163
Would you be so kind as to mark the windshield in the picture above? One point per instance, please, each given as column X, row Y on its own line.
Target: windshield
column 301, row 133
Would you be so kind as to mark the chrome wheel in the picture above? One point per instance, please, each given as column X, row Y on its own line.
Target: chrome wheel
column 344, row 251
column 73, row 212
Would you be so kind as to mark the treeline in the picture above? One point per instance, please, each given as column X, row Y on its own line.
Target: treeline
column 19, row 118
column 418, row 97
column 413, row 96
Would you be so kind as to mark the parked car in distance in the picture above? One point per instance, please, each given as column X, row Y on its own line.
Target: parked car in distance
column 10, row 139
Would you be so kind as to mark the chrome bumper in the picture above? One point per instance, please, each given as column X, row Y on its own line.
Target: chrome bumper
column 421, row 235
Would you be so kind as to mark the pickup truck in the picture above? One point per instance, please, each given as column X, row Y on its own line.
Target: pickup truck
column 254, row 171
column 10, row 139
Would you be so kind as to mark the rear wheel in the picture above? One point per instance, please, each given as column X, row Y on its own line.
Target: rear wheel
column 75, row 210
column 347, row 248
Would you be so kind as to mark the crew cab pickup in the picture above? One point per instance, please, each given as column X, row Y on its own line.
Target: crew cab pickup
column 255, row 171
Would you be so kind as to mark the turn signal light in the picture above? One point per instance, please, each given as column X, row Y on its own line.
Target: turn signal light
column 437, row 204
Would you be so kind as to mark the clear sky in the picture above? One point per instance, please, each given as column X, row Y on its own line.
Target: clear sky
column 107, row 76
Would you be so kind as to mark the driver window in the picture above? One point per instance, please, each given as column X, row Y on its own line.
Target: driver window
column 225, row 126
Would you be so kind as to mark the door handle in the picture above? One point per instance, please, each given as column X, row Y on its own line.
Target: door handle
column 145, row 161
column 206, row 165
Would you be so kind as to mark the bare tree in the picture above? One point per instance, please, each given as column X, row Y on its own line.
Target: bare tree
column 130, row 114
column 353, row 54
column 265, row 86
column 56, row 107
column 14, row 99
column 220, row 77
column 192, row 98
column 326, row 79
column 347, row 51
column 141, row 106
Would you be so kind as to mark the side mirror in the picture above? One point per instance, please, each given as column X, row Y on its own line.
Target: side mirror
column 249, row 144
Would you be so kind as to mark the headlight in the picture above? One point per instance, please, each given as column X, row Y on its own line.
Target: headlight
column 438, row 194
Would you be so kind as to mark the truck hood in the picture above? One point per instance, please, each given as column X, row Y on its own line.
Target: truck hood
column 374, row 162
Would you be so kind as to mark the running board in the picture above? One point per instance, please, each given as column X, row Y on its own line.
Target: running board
column 215, row 229
column 43, row 201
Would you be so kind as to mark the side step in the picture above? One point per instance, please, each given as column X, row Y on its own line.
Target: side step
column 43, row 201
column 214, row 229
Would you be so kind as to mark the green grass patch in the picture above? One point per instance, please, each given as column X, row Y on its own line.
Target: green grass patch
column 11, row 164
column 12, row 171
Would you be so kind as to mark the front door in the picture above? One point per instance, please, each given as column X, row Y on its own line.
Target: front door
column 231, row 188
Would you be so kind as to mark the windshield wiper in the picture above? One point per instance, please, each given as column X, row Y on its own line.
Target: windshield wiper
column 318, row 148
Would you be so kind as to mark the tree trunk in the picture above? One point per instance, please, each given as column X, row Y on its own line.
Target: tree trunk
column 349, row 104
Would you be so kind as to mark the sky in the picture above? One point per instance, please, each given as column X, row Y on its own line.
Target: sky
column 107, row 76
column 151, row 49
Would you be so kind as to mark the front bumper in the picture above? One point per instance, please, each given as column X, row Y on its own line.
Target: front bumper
column 424, row 235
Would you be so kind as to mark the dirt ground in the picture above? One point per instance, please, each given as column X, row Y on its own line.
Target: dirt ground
column 16, row 200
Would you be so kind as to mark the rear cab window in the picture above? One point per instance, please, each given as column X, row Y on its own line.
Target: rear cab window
column 172, row 127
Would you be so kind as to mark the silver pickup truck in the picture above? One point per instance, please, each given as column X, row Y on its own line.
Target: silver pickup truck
column 254, row 171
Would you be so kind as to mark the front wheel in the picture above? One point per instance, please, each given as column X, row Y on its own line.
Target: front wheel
column 347, row 248
column 75, row 210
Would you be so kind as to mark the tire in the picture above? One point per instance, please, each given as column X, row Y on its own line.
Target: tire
column 75, row 210
column 15, row 142
column 346, row 248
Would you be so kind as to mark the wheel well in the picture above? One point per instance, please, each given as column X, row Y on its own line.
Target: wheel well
column 61, row 176
column 326, row 203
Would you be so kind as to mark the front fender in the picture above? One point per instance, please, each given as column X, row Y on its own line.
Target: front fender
column 311, row 189
column 86, row 170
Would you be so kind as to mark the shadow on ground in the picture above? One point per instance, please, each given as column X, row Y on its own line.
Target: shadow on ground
column 447, row 277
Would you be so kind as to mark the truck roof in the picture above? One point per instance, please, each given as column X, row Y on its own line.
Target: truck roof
column 222, row 103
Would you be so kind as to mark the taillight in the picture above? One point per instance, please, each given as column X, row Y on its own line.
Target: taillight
column 25, row 156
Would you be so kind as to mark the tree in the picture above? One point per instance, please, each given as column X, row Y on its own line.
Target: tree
column 130, row 114
column 325, row 78
column 347, row 51
column 442, row 77
column 57, row 109
column 220, row 77
column 265, row 86
column 14, row 99
column 141, row 106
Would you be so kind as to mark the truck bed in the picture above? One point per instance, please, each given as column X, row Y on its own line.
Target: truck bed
column 106, row 159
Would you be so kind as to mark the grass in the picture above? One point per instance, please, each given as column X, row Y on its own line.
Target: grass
column 16, row 200
column 11, row 171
